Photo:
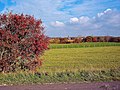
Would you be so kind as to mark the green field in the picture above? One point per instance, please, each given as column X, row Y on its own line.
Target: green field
column 72, row 65
column 81, row 45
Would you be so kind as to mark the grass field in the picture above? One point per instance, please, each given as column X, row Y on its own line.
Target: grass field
column 97, row 58
column 81, row 45
column 72, row 65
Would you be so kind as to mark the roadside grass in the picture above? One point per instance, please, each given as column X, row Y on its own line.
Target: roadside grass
column 71, row 65
column 23, row 78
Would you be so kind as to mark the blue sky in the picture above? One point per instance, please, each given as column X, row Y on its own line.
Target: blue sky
column 71, row 17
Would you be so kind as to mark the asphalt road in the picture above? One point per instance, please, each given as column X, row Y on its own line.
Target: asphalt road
column 115, row 85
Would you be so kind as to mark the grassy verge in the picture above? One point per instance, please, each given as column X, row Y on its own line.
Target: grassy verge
column 72, row 65
column 59, row 77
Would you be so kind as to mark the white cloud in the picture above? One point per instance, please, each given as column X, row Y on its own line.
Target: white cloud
column 107, row 10
column 74, row 20
column 57, row 24
column 102, row 13
column 84, row 19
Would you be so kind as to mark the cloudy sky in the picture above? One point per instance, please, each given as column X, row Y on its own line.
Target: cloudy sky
column 71, row 17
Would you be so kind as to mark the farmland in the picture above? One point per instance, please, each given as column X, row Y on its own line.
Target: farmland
column 86, row 44
column 72, row 64
column 98, row 58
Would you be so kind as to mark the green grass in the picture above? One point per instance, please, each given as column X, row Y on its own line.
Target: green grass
column 81, row 45
column 72, row 65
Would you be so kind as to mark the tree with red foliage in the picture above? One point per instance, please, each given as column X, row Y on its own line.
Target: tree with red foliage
column 22, row 42
column 89, row 39
column 95, row 39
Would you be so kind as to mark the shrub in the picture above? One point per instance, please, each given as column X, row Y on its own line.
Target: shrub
column 77, row 40
column 89, row 39
column 22, row 42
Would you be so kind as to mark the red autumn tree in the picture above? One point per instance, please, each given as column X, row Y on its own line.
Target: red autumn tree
column 22, row 42
column 95, row 39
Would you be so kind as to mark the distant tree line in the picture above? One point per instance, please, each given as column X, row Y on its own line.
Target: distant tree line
column 65, row 40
